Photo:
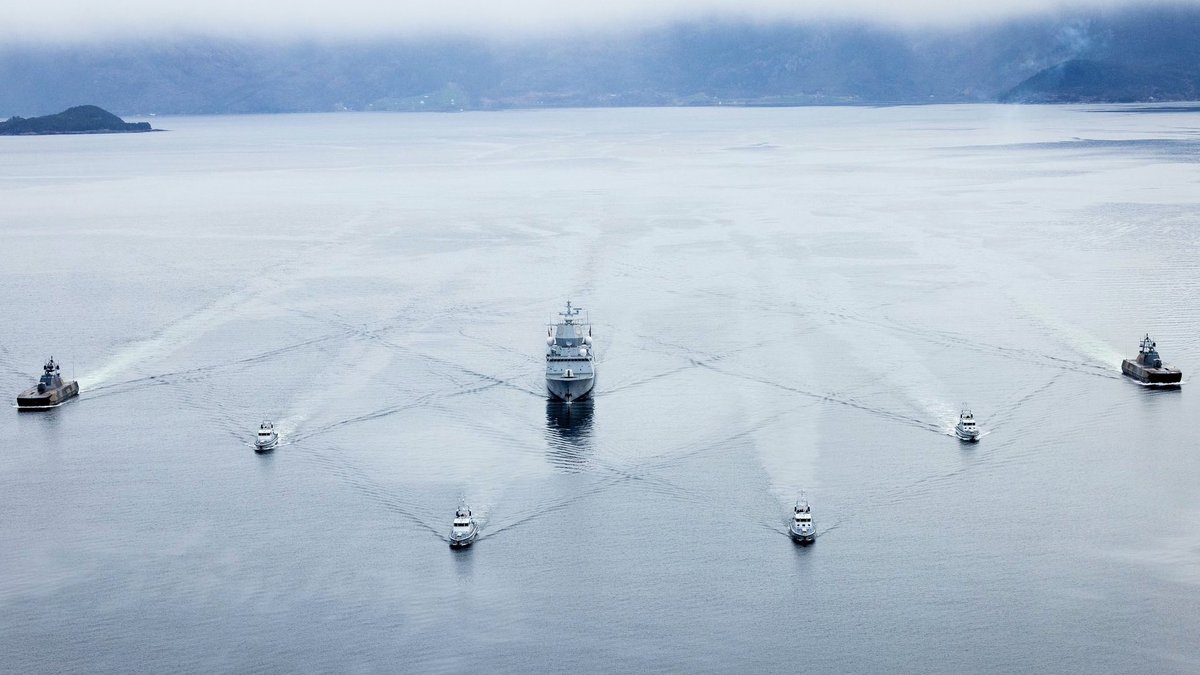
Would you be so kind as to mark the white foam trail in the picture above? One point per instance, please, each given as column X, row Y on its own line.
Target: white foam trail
column 365, row 360
column 191, row 327
column 480, row 496
column 288, row 426
column 1083, row 342
column 942, row 413
column 178, row 334
column 904, row 373
column 787, row 447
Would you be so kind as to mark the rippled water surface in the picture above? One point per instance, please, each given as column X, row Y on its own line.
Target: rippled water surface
column 783, row 300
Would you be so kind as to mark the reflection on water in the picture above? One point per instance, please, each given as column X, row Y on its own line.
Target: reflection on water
column 464, row 561
column 569, row 433
column 43, row 419
column 265, row 461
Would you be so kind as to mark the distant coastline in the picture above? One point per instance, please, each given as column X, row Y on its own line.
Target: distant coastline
column 83, row 119
column 1146, row 53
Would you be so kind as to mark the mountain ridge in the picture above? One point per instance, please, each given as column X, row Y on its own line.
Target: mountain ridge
column 1142, row 54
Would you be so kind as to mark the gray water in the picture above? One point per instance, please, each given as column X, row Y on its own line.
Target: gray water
column 783, row 300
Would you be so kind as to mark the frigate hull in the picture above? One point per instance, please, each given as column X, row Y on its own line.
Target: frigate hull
column 570, row 389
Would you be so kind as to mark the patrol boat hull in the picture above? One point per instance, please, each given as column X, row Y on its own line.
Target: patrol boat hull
column 802, row 538
column 967, row 436
column 1146, row 375
column 462, row 543
column 32, row 399
column 570, row 389
column 462, row 539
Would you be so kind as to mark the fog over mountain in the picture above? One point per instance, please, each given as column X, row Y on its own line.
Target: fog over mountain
column 1120, row 53
column 374, row 19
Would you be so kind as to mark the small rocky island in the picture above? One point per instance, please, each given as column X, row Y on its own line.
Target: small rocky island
column 82, row 119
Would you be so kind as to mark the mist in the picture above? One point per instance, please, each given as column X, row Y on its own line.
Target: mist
column 1142, row 53
column 80, row 20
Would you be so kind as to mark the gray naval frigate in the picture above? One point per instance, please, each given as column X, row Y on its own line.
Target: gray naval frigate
column 570, row 363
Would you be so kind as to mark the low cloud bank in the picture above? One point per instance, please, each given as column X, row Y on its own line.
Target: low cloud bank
column 86, row 20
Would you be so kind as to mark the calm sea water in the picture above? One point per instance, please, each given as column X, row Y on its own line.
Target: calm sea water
column 783, row 300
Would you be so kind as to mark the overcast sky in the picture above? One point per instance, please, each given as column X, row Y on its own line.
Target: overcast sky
column 72, row 19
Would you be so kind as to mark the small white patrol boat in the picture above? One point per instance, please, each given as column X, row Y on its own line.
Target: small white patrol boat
column 266, row 439
column 802, row 530
column 464, row 530
column 966, row 429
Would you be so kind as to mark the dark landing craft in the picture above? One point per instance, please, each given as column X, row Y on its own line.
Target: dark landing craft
column 1148, row 367
column 50, row 391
